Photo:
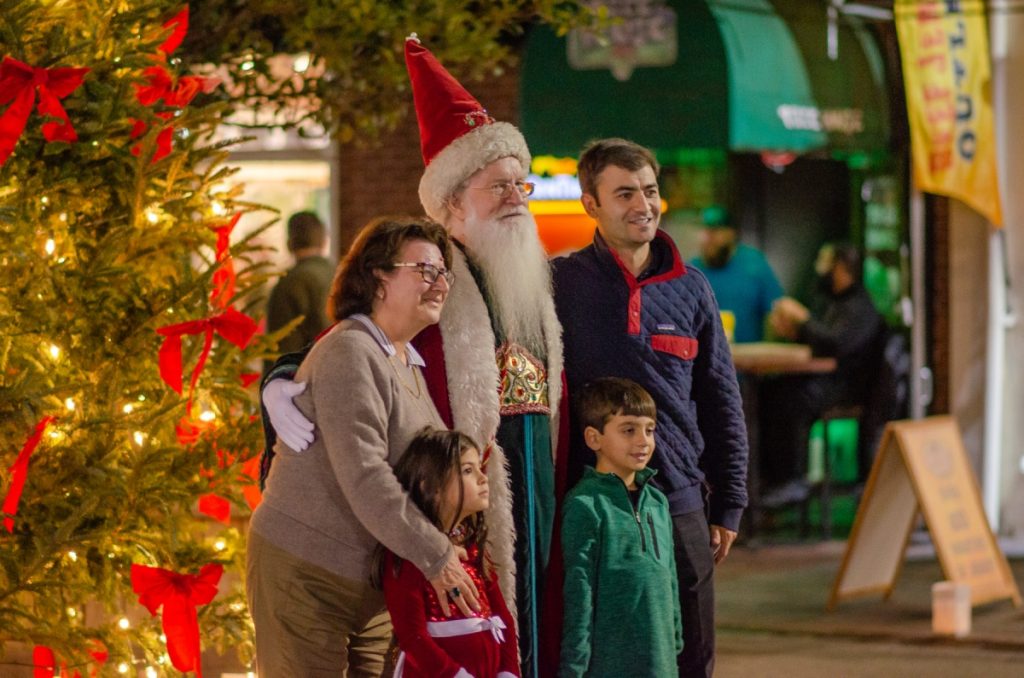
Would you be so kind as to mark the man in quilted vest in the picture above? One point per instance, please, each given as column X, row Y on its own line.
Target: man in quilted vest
column 631, row 308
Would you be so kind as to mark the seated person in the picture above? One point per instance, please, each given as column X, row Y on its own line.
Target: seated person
column 743, row 282
column 850, row 330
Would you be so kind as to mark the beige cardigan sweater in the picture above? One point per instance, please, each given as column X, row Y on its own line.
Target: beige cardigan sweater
column 332, row 503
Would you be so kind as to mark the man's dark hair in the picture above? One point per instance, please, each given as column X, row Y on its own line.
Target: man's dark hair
column 305, row 230
column 602, row 399
column 597, row 155
column 849, row 255
column 375, row 249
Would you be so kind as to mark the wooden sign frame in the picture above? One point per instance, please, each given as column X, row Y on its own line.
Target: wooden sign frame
column 922, row 465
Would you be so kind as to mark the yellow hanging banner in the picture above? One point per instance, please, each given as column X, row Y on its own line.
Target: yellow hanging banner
column 944, row 47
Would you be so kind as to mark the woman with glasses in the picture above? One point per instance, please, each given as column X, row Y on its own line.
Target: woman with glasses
column 325, row 509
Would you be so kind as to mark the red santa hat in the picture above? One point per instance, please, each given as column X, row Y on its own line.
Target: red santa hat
column 457, row 136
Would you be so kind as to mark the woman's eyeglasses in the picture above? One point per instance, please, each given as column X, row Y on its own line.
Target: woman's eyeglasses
column 429, row 272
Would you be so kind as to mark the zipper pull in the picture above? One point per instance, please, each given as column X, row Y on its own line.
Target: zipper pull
column 640, row 526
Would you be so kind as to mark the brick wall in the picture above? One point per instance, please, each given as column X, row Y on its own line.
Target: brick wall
column 383, row 178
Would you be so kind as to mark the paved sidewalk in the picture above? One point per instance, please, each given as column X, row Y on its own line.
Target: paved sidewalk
column 784, row 589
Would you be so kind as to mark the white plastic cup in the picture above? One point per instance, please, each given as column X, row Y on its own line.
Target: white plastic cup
column 951, row 609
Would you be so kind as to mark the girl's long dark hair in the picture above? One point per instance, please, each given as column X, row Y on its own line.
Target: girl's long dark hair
column 430, row 462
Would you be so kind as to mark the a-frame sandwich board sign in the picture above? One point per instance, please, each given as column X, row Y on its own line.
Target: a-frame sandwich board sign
column 922, row 465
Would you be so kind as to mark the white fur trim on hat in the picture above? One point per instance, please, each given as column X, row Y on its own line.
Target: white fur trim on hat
column 463, row 157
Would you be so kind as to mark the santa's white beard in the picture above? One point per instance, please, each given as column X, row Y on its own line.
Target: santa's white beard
column 515, row 269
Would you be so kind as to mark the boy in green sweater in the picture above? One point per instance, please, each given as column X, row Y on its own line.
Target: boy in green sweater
column 621, row 592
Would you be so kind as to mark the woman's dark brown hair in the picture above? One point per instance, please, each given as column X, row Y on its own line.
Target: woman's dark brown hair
column 430, row 462
column 375, row 249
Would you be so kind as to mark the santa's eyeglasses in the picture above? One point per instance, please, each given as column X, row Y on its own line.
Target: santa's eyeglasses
column 429, row 272
column 503, row 189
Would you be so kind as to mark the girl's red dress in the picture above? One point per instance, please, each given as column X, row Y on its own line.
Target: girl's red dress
column 435, row 646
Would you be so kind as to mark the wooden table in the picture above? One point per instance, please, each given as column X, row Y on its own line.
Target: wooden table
column 766, row 358
column 755, row 362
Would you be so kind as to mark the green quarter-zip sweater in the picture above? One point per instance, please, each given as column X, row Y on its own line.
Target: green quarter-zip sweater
column 621, row 592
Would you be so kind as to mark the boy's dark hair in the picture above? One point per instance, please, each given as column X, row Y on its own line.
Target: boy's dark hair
column 432, row 459
column 599, row 154
column 603, row 398
column 305, row 230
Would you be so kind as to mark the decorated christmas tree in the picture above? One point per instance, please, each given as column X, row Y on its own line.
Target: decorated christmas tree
column 128, row 429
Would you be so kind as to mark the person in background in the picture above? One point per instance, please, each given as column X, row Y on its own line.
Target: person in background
column 744, row 284
column 630, row 307
column 302, row 291
column 850, row 330
column 620, row 570
column 443, row 475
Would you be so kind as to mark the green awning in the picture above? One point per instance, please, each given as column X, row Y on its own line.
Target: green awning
column 850, row 90
column 742, row 75
column 766, row 76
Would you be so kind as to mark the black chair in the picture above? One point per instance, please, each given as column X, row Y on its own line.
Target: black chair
column 886, row 400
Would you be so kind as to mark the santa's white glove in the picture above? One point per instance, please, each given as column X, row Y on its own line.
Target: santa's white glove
column 463, row 673
column 291, row 426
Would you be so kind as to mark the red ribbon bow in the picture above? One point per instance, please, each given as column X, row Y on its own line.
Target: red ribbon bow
column 44, row 661
column 234, row 326
column 160, row 84
column 179, row 594
column 19, row 83
column 224, row 277
column 163, row 138
column 19, row 472
column 180, row 23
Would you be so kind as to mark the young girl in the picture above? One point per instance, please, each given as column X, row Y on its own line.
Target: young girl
column 441, row 471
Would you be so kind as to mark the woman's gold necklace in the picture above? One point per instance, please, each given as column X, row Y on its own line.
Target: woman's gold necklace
column 415, row 377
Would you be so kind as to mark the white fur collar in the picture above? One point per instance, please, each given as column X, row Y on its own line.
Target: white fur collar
column 472, row 372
